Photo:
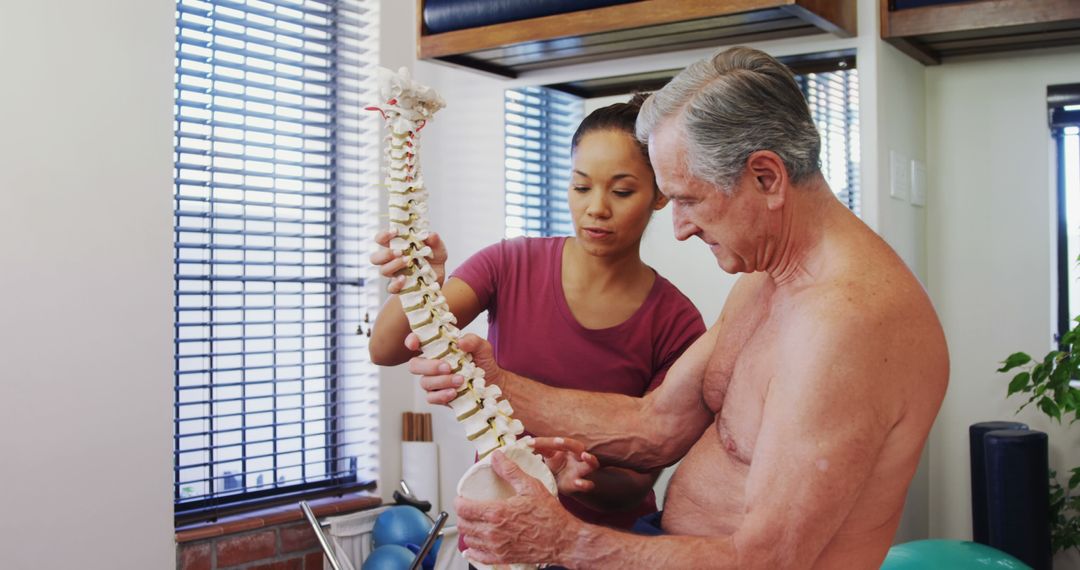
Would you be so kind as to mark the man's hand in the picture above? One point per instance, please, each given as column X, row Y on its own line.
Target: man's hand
column 530, row 528
column 435, row 377
column 569, row 462
column 391, row 264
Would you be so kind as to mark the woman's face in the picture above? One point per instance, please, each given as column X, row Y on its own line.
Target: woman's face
column 612, row 192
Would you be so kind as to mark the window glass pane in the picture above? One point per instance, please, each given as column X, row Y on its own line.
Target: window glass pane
column 540, row 123
column 273, row 217
column 1070, row 172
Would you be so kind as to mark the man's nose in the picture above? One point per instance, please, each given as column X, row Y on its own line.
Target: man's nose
column 684, row 228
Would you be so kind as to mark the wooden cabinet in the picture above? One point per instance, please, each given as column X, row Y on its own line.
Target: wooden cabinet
column 930, row 33
column 646, row 26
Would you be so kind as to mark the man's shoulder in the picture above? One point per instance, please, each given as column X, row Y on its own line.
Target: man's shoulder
column 869, row 320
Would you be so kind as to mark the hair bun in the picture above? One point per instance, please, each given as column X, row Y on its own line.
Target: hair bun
column 638, row 99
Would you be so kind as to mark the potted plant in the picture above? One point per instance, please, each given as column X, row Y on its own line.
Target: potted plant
column 1050, row 384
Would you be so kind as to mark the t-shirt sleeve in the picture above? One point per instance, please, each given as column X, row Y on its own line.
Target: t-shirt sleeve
column 676, row 335
column 482, row 272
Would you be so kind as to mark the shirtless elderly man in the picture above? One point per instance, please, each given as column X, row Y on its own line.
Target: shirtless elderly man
column 800, row 416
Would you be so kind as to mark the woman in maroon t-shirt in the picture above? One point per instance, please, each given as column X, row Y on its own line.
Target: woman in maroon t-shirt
column 582, row 311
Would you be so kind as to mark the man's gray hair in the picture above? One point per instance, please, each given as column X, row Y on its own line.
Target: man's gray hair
column 732, row 104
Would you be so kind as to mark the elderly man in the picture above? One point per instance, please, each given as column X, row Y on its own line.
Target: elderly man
column 800, row 416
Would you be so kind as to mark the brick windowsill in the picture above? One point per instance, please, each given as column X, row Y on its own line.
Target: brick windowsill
column 275, row 516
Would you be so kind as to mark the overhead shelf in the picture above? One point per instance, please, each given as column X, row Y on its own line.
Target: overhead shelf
column 637, row 28
column 932, row 33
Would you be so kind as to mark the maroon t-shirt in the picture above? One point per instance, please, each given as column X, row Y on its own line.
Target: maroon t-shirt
column 534, row 334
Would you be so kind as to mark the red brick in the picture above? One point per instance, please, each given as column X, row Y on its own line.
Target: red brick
column 246, row 548
column 298, row 537
column 194, row 556
column 313, row 561
column 290, row 564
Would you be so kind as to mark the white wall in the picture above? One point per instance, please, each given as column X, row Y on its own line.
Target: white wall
column 990, row 223
column 86, row 285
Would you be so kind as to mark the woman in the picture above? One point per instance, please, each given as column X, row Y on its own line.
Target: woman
column 582, row 312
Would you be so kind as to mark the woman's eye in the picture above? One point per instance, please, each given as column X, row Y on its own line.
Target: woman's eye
column 577, row 188
column 623, row 193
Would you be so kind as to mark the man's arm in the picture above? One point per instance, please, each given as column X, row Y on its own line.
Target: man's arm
column 825, row 421
column 639, row 433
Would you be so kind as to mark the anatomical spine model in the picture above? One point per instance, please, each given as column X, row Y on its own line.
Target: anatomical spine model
column 406, row 107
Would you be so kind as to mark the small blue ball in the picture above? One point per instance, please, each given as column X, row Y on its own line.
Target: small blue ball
column 389, row 557
column 400, row 525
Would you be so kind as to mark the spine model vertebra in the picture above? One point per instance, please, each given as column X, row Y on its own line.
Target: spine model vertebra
column 406, row 107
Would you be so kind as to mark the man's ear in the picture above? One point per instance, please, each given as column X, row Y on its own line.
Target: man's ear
column 769, row 176
column 660, row 201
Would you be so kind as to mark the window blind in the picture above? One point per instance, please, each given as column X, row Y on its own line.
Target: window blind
column 833, row 97
column 274, row 213
column 539, row 125
column 1063, row 102
column 540, row 122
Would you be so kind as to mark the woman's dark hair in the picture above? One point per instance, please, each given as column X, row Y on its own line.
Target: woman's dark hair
column 614, row 117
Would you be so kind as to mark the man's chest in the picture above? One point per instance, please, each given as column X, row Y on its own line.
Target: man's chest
column 737, row 380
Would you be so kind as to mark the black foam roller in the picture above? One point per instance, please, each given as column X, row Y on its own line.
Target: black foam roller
column 980, row 531
column 1018, row 495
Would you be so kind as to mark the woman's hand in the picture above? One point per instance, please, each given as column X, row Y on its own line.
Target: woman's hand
column 391, row 264
column 435, row 377
column 569, row 462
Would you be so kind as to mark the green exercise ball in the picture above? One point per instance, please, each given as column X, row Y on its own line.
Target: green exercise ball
column 949, row 555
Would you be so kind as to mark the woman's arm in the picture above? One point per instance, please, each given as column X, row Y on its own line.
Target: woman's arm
column 387, row 347
column 617, row 488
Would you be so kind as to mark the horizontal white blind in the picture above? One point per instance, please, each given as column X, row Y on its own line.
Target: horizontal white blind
column 833, row 97
column 539, row 125
column 541, row 121
column 274, row 213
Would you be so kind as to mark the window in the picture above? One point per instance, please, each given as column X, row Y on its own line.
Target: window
column 539, row 125
column 540, row 122
column 274, row 393
column 833, row 97
column 1064, row 103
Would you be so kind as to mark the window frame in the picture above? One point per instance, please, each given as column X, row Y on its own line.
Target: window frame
column 1063, row 111
column 350, row 140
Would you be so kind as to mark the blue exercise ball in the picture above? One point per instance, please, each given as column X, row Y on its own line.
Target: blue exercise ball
column 400, row 525
column 389, row 557
column 949, row 555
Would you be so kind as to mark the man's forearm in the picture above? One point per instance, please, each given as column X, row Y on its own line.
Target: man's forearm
column 611, row 425
column 602, row 548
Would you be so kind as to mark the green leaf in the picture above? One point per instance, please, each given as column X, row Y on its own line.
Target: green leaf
column 1075, row 479
column 1019, row 382
column 1050, row 408
column 1015, row 359
column 1039, row 374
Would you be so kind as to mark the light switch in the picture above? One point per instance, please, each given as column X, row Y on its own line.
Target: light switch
column 918, row 183
column 899, row 176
